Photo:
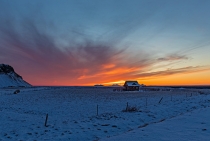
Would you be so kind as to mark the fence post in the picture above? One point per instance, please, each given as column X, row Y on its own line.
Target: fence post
column 45, row 124
column 160, row 100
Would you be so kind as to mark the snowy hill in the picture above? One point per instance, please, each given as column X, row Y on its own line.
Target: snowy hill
column 9, row 78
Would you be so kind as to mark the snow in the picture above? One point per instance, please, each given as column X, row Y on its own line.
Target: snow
column 10, row 80
column 178, row 114
column 192, row 126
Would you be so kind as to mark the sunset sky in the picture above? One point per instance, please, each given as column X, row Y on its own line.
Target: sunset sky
column 81, row 42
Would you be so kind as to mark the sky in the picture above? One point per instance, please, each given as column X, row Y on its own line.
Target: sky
column 78, row 42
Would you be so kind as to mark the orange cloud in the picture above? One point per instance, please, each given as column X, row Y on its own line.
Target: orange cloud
column 41, row 61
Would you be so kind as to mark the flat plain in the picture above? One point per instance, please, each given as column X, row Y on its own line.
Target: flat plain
column 96, row 113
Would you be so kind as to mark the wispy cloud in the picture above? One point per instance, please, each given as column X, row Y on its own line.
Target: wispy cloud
column 184, row 70
column 38, row 56
column 173, row 57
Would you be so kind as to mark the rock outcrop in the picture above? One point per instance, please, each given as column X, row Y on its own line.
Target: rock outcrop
column 9, row 78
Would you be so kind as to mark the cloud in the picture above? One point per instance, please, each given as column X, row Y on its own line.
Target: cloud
column 36, row 54
column 173, row 57
column 43, row 58
column 183, row 70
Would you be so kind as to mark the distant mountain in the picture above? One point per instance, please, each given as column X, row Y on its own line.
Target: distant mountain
column 9, row 78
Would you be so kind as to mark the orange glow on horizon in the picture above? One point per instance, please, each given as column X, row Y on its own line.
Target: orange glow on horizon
column 112, row 77
column 199, row 78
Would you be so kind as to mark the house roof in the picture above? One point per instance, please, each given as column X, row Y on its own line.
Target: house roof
column 131, row 83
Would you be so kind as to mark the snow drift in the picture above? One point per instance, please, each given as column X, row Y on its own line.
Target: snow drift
column 9, row 78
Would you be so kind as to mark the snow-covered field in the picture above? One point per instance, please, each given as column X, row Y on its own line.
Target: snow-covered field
column 166, row 114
